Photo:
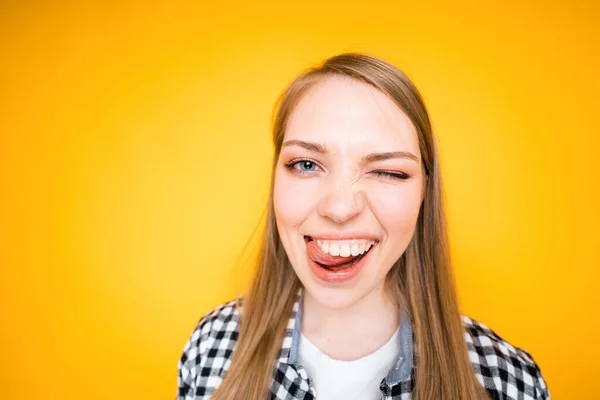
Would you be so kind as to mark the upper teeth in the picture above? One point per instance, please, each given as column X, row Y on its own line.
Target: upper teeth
column 345, row 248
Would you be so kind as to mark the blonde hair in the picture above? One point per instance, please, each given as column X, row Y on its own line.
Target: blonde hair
column 421, row 280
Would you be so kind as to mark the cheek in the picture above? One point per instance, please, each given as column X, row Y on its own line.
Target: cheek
column 397, row 208
column 292, row 201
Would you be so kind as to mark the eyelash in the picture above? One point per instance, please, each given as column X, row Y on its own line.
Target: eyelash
column 392, row 175
column 384, row 174
column 292, row 163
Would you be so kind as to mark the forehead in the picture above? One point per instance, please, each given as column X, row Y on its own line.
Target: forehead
column 344, row 113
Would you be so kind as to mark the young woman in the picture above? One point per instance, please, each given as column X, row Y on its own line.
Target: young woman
column 353, row 296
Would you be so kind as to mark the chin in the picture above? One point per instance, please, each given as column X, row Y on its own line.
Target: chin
column 335, row 298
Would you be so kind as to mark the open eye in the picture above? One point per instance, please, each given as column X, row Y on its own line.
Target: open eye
column 306, row 165
column 302, row 166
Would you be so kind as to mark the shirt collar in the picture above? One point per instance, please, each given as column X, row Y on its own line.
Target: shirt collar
column 399, row 373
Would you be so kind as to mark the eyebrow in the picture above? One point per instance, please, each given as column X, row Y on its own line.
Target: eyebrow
column 369, row 158
column 315, row 147
column 374, row 157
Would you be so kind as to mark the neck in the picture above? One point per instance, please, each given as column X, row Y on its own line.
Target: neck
column 354, row 331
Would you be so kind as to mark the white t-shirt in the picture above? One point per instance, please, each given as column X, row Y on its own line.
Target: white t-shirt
column 348, row 380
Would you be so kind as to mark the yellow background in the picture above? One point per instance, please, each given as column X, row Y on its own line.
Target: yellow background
column 134, row 163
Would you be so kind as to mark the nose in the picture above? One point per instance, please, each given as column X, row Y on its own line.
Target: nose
column 341, row 203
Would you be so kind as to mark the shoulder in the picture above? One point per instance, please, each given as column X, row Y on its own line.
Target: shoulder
column 504, row 370
column 215, row 327
column 208, row 352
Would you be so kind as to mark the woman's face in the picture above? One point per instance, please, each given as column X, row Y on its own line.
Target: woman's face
column 347, row 191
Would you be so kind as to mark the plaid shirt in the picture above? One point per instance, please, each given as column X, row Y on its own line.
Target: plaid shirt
column 505, row 371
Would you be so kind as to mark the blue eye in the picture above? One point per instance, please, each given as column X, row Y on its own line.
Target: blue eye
column 302, row 166
column 306, row 165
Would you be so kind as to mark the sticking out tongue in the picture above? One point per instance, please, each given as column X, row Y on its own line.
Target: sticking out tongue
column 316, row 254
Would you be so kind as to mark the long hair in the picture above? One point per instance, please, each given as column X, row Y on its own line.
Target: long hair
column 421, row 281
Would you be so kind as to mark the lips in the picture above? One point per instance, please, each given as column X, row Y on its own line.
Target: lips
column 317, row 255
column 333, row 268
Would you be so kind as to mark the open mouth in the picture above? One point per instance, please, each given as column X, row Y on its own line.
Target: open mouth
column 338, row 258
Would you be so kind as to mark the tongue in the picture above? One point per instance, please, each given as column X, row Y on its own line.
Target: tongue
column 316, row 254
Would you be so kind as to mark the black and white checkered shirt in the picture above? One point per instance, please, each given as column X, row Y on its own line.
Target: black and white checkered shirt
column 505, row 371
